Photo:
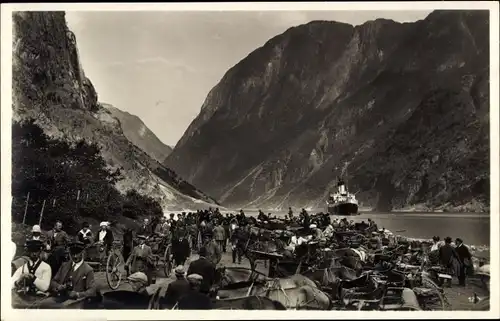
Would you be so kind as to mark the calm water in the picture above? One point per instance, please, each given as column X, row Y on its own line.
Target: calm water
column 473, row 228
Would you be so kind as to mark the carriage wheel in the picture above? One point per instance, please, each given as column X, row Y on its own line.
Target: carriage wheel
column 113, row 272
column 438, row 301
column 167, row 267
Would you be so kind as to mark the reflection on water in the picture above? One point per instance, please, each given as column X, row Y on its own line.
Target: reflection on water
column 473, row 228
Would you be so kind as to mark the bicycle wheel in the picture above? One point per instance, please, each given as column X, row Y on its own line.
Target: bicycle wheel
column 113, row 272
column 167, row 259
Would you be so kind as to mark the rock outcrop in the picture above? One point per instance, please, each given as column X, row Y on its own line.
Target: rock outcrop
column 49, row 85
column 405, row 105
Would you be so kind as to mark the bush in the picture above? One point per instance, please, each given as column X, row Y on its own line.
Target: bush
column 73, row 179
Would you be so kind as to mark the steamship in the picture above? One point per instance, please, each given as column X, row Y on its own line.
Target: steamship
column 342, row 202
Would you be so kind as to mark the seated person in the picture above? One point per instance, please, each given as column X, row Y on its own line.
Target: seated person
column 141, row 259
column 138, row 282
column 34, row 276
column 75, row 278
column 195, row 299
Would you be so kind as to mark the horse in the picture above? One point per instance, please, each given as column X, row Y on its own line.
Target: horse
column 226, row 276
column 248, row 303
column 298, row 297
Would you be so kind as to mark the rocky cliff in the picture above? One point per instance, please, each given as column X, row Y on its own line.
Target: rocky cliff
column 49, row 85
column 139, row 134
column 405, row 105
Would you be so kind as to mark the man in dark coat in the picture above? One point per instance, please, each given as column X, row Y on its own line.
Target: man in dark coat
column 195, row 299
column 176, row 289
column 180, row 249
column 448, row 257
column 205, row 268
column 465, row 259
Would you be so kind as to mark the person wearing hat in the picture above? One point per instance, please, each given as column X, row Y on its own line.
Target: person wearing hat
column 141, row 258
column 204, row 267
column 85, row 234
column 33, row 276
column 58, row 240
column 138, row 282
column 195, row 299
column 465, row 260
column 176, row 289
column 448, row 257
column 213, row 250
column 220, row 236
column 75, row 278
column 180, row 249
column 104, row 236
column 36, row 234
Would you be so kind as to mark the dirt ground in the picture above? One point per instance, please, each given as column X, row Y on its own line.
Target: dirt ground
column 458, row 297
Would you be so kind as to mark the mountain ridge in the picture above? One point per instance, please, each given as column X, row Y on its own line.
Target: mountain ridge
column 50, row 86
column 139, row 134
column 271, row 132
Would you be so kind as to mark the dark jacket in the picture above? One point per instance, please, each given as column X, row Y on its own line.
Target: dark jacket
column 195, row 301
column 82, row 279
column 108, row 238
column 446, row 254
column 175, row 291
column 206, row 269
column 180, row 249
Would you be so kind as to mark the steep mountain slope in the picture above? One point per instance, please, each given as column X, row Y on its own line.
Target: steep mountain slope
column 139, row 134
column 49, row 85
column 405, row 105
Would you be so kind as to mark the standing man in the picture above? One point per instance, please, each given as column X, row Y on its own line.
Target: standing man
column 75, row 278
column 204, row 267
column 141, row 259
column 176, row 289
column 465, row 259
column 195, row 299
column 33, row 276
column 220, row 236
column 180, row 249
column 448, row 257
column 227, row 232
column 213, row 252
column 58, row 241
column 238, row 242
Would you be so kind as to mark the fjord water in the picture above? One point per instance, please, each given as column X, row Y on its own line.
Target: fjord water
column 473, row 228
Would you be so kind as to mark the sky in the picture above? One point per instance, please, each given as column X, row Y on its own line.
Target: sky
column 160, row 66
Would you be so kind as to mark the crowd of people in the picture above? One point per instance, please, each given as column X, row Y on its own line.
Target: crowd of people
column 46, row 269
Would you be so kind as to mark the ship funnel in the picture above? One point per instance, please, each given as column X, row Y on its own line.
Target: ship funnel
column 341, row 187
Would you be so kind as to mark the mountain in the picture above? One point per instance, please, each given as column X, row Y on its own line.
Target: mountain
column 406, row 105
column 50, row 86
column 139, row 134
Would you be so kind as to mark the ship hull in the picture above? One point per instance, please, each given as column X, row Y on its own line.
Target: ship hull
column 346, row 208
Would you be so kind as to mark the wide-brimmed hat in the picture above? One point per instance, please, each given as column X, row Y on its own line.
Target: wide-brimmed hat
column 141, row 237
column 36, row 229
column 33, row 245
column 313, row 226
column 103, row 224
column 76, row 247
